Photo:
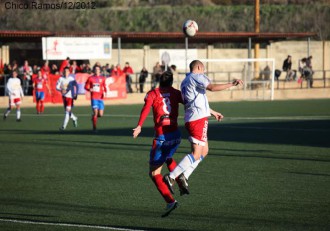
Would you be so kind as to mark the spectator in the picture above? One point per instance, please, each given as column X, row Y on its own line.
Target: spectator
column 65, row 63
column 97, row 64
column 26, row 70
column 142, row 78
column 104, row 72
column 88, row 68
column 35, row 69
column 45, row 69
column 74, row 68
column 128, row 72
column 54, row 69
column 157, row 71
column 308, row 70
column 287, row 64
column 116, row 71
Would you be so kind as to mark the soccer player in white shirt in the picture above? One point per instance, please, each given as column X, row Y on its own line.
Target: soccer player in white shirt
column 197, row 111
column 15, row 92
column 67, row 85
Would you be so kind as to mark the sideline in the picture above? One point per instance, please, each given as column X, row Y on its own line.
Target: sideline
column 65, row 224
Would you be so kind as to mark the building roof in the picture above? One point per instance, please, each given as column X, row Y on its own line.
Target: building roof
column 157, row 37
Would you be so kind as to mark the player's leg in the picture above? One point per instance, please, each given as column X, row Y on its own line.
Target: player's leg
column 37, row 102
column 198, row 139
column 157, row 159
column 94, row 118
column 192, row 167
column 67, row 106
column 72, row 116
column 41, row 102
column 157, row 178
column 42, row 106
column 8, row 110
column 18, row 102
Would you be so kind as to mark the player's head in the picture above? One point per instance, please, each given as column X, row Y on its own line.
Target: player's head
column 166, row 79
column 14, row 73
column 66, row 72
column 39, row 74
column 197, row 67
column 97, row 70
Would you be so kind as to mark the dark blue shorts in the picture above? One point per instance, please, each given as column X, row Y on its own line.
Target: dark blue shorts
column 40, row 95
column 164, row 147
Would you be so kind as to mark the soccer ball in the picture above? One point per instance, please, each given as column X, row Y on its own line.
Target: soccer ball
column 190, row 28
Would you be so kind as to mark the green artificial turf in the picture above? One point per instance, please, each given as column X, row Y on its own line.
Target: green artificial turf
column 268, row 168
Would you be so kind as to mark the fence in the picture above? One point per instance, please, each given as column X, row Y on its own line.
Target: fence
column 321, row 79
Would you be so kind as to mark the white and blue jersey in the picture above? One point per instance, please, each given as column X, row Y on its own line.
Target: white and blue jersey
column 193, row 90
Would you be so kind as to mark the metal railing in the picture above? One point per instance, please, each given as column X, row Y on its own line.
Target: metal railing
column 321, row 79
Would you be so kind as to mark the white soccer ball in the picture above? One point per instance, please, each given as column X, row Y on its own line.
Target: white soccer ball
column 190, row 28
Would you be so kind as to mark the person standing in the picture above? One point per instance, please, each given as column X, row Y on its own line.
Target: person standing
column 39, row 84
column 68, row 87
column 165, row 102
column 128, row 70
column 197, row 111
column 287, row 64
column 142, row 78
column 26, row 70
column 96, row 86
column 15, row 92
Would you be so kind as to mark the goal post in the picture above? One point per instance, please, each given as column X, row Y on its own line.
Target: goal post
column 257, row 73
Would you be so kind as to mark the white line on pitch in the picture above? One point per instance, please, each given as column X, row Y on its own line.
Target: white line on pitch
column 66, row 225
column 280, row 129
column 226, row 118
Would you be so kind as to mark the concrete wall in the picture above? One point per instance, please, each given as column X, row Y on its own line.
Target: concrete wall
column 278, row 50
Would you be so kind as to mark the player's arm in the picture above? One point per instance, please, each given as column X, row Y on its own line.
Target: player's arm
column 104, row 86
column 58, row 85
column 143, row 115
column 217, row 115
column 220, row 87
column 9, row 87
column 88, row 85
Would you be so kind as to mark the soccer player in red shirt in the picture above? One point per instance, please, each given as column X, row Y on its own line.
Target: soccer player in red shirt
column 39, row 84
column 165, row 103
column 96, row 85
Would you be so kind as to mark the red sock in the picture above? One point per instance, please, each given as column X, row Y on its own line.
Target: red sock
column 42, row 107
column 94, row 119
column 171, row 164
column 37, row 107
column 162, row 188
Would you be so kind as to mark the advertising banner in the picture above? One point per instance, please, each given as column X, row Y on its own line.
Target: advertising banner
column 116, row 88
column 77, row 48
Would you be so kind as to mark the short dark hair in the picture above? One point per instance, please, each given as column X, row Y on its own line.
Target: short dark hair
column 166, row 79
column 193, row 64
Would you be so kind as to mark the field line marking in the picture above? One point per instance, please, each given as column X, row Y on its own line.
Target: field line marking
column 226, row 118
column 280, row 129
column 66, row 224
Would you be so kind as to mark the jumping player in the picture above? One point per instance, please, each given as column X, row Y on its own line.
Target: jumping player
column 197, row 111
column 165, row 103
column 67, row 85
column 15, row 92
column 39, row 84
column 96, row 85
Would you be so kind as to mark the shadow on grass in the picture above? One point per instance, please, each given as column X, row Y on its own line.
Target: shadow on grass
column 73, row 208
column 314, row 133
